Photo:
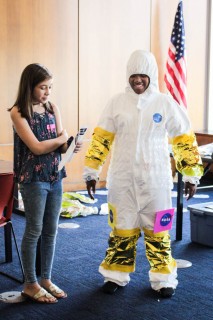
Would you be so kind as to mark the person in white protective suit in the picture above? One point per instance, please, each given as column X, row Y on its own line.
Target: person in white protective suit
column 138, row 124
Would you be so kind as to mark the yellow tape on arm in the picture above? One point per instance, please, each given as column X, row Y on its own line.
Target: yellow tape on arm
column 186, row 154
column 99, row 148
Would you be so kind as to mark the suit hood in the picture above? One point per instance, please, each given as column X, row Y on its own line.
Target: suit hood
column 143, row 62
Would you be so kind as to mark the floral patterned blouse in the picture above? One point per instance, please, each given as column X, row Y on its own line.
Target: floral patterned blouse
column 29, row 167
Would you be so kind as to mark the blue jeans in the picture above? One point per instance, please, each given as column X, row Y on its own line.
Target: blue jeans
column 42, row 204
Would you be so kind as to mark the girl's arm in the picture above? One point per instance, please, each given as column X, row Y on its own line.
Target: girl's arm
column 59, row 128
column 25, row 133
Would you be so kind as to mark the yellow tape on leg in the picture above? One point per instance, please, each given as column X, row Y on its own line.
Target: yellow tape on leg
column 121, row 253
column 158, row 251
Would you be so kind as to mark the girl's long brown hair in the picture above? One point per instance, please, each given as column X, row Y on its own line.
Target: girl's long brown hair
column 32, row 75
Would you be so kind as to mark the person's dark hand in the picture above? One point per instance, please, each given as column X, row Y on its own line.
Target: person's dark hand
column 69, row 141
column 91, row 188
column 190, row 189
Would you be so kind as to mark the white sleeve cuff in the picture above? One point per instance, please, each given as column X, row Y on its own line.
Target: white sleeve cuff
column 90, row 172
column 193, row 180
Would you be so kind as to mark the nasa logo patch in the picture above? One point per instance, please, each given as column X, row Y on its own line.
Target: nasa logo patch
column 111, row 216
column 165, row 219
column 157, row 117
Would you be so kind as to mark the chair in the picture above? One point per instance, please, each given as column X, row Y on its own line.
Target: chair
column 7, row 186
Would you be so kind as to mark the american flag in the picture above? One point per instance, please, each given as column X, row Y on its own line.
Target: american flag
column 175, row 76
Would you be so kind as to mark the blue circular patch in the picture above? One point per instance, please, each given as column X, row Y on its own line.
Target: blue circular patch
column 157, row 117
column 165, row 219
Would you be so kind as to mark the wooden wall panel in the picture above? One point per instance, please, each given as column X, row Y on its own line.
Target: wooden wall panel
column 44, row 32
column 108, row 33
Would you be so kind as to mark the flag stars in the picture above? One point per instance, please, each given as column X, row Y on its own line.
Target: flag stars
column 178, row 34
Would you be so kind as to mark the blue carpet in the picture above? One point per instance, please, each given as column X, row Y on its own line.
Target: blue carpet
column 78, row 254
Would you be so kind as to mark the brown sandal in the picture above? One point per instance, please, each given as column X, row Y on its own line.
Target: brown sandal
column 56, row 292
column 41, row 293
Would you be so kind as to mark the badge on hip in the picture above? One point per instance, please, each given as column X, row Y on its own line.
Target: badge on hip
column 163, row 220
column 112, row 217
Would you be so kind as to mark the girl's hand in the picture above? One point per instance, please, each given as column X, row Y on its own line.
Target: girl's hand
column 78, row 147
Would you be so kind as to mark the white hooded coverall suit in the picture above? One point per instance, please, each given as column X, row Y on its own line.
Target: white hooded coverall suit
column 139, row 181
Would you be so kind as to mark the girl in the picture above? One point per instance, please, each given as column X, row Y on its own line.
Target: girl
column 39, row 140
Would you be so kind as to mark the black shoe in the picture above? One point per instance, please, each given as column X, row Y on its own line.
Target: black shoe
column 167, row 292
column 110, row 287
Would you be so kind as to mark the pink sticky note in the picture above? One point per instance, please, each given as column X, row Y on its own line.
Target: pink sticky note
column 163, row 220
column 51, row 126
